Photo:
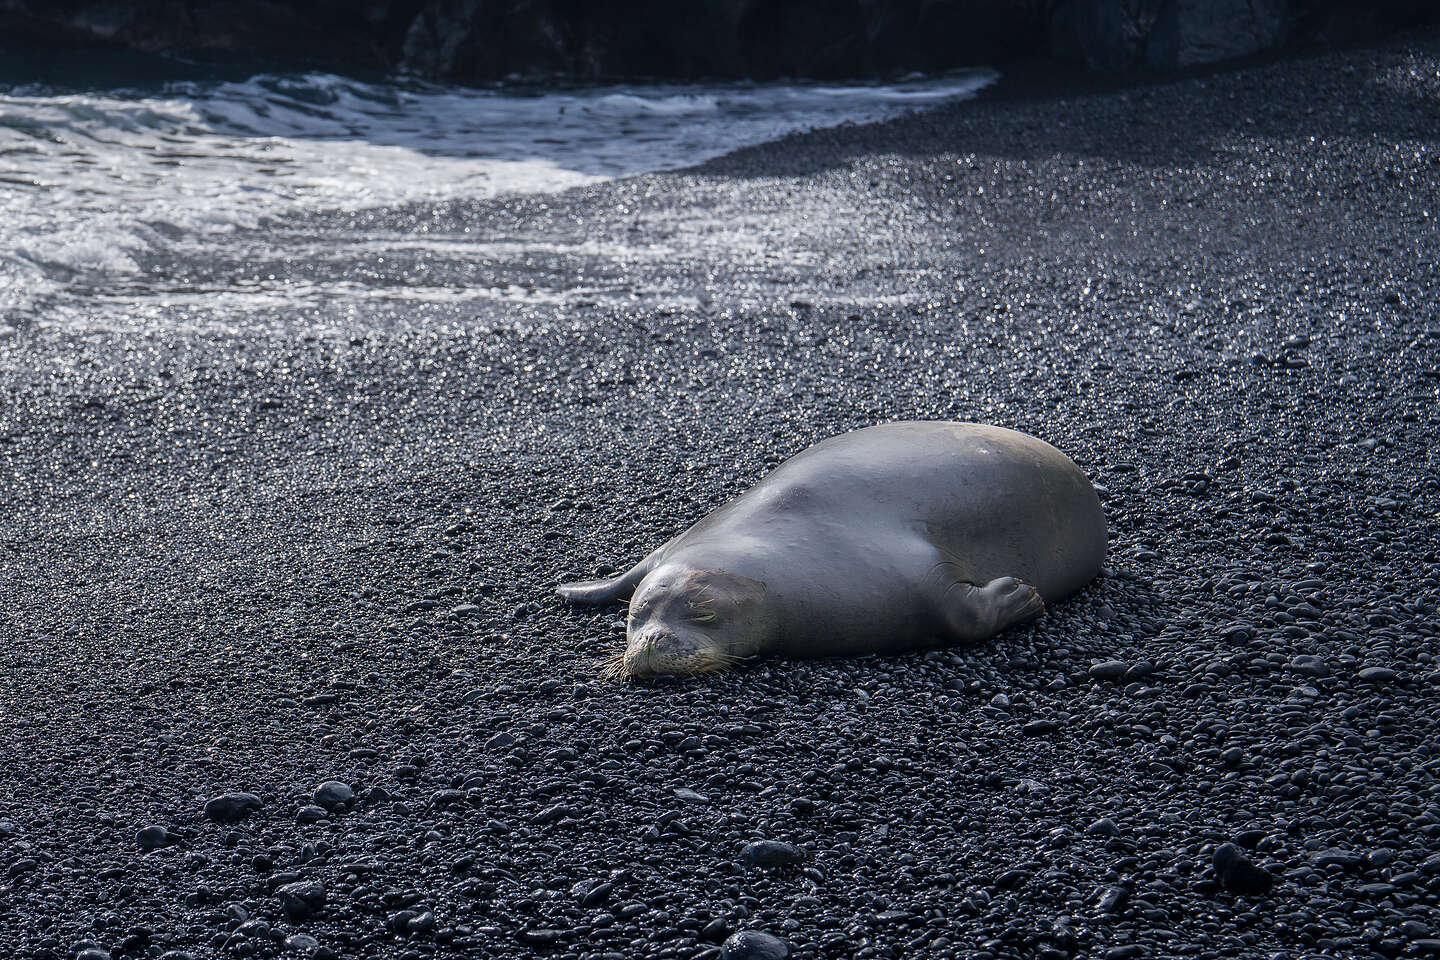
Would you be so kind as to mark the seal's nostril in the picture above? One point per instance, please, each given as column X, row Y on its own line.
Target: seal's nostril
column 654, row 639
column 642, row 647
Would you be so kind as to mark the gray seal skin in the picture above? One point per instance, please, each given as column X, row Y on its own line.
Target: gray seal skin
column 891, row 538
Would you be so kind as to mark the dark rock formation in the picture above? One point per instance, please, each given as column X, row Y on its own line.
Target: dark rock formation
column 485, row 40
column 1164, row 35
column 301, row 30
column 1102, row 34
column 1168, row 35
column 1190, row 32
column 714, row 38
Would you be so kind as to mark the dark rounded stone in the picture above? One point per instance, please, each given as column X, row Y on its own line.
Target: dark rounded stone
column 771, row 853
column 310, row 813
column 301, row 898
column 754, row 945
column 1108, row 671
column 333, row 794
column 1139, row 670
column 1310, row 665
column 230, row 807
column 500, row 741
column 303, row 944
column 1112, row 899
column 597, row 895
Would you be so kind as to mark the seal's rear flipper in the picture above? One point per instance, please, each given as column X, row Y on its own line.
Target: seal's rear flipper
column 978, row 613
column 593, row 591
column 605, row 591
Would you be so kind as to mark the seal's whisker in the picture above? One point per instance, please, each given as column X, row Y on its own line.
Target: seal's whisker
column 612, row 664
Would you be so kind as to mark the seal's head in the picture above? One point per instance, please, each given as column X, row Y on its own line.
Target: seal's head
column 686, row 622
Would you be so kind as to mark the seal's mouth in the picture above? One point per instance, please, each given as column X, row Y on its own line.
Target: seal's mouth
column 659, row 660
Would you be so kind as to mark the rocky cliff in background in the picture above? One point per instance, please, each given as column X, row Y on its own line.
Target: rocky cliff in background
column 1163, row 35
column 475, row 41
column 715, row 38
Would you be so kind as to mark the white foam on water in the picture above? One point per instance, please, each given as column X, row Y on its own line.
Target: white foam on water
column 91, row 181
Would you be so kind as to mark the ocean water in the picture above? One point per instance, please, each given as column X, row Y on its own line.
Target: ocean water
column 95, row 183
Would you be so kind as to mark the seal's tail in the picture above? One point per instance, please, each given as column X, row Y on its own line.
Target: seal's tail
column 605, row 591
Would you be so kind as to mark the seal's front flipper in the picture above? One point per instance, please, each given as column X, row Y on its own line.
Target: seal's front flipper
column 605, row 591
column 974, row 613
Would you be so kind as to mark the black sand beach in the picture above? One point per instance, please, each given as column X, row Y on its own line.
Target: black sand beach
column 271, row 550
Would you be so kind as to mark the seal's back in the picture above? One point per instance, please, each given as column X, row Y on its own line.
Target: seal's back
column 994, row 501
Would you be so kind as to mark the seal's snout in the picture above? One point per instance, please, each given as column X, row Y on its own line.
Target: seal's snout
column 650, row 653
column 659, row 651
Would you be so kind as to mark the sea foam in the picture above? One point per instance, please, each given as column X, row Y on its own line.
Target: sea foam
column 90, row 181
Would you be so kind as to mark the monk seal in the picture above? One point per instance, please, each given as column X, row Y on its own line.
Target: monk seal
column 890, row 538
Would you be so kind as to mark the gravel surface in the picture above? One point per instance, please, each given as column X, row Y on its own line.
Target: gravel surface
column 281, row 672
